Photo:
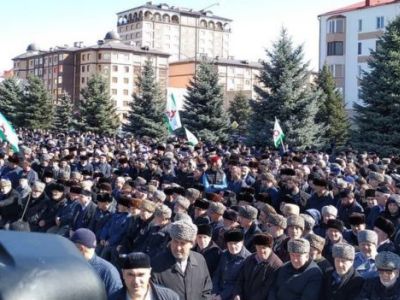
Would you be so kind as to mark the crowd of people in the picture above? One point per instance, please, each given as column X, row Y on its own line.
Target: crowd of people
column 220, row 222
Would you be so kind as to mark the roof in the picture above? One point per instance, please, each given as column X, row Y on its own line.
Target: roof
column 179, row 10
column 358, row 5
column 224, row 61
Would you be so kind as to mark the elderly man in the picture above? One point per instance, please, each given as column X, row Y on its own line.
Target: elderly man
column 300, row 278
column 181, row 269
column 247, row 219
column 387, row 285
column 10, row 206
column 364, row 261
column 343, row 283
column 136, row 272
column 328, row 212
column 258, row 270
column 385, row 229
column 317, row 244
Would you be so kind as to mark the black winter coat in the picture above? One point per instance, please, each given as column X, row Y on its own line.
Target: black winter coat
column 349, row 287
column 10, row 207
column 374, row 290
column 212, row 254
column 35, row 210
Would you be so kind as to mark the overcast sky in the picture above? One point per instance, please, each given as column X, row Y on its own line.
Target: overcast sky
column 256, row 23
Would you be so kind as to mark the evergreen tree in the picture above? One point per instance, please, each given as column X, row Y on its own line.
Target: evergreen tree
column 285, row 93
column 35, row 110
column 203, row 113
column 10, row 95
column 63, row 118
column 332, row 114
column 240, row 112
column 377, row 117
column 97, row 110
column 146, row 116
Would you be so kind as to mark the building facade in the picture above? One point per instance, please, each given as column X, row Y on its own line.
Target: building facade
column 68, row 69
column 184, row 33
column 347, row 37
column 234, row 76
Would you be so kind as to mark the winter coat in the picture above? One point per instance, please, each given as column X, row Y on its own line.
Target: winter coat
column 318, row 202
column 344, row 212
column 373, row 289
column 256, row 278
column 301, row 284
column 115, row 228
column 347, row 289
column 157, row 238
column 53, row 208
column 10, row 207
column 84, row 217
column 158, row 292
column 99, row 221
column 35, row 210
column 194, row 284
column 135, row 226
column 227, row 273
column 212, row 254
column 248, row 236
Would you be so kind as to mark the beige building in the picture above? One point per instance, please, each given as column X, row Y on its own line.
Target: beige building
column 234, row 76
column 184, row 33
column 68, row 69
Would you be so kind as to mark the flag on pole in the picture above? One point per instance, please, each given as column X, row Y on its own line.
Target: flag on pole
column 172, row 114
column 191, row 138
column 278, row 134
column 7, row 133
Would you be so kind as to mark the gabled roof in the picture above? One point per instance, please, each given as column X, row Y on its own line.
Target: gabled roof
column 358, row 5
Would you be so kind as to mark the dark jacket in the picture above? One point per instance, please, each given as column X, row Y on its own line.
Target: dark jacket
column 373, row 289
column 136, row 226
column 158, row 292
column 10, row 207
column 319, row 202
column 99, row 221
column 157, row 238
column 115, row 228
column 227, row 273
column 212, row 254
column 248, row 237
column 195, row 284
column 302, row 284
column 345, row 211
column 35, row 210
column 52, row 209
column 256, row 278
column 347, row 289
column 84, row 217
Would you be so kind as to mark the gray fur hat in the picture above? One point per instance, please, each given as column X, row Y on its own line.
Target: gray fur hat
column 367, row 236
column 298, row 246
column 181, row 216
column 387, row 260
column 343, row 250
column 182, row 201
column 217, row 208
column 183, row 230
column 316, row 241
column 295, row 220
column 163, row 211
column 159, row 196
column 309, row 222
column 277, row 220
column 329, row 209
column 192, row 193
column 248, row 212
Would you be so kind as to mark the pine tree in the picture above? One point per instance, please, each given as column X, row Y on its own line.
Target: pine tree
column 203, row 113
column 377, row 117
column 146, row 116
column 286, row 94
column 10, row 96
column 240, row 112
column 97, row 110
column 63, row 117
column 35, row 110
column 332, row 112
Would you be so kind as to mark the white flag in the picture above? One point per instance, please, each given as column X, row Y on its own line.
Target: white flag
column 172, row 114
column 191, row 138
column 7, row 133
column 278, row 134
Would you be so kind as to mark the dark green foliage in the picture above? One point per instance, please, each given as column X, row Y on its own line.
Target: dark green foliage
column 146, row 116
column 63, row 114
column 10, row 95
column 203, row 113
column 377, row 117
column 240, row 112
column 97, row 110
column 285, row 93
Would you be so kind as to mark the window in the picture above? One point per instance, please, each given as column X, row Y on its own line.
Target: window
column 83, row 80
column 359, row 48
column 126, row 80
column 380, row 22
column 99, row 67
column 126, row 69
column 336, row 26
column 88, row 56
column 114, row 91
column 83, row 69
column 83, row 57
column 87, row 68
column 59, row 79
column 60, row 57
column 126, row 93
column 55, row 70
column 60, row 68
column 115, row 68
column 99, row 56
column 335, row 48
column 115, row 79
column 359, row 25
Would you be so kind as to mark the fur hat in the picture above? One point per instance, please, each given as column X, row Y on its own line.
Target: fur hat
column 56, row 187
column 183, row 202
column 217, row 208
column 159, row 196
column 288, row 172
column 163, row 211
column 182, row 216
column 234, row 235
column 367, row 236
column 248, row 212
column 335, row 224
column 357, row 218
column 105, row 186
column 318, row 181
column 230, row 215
column 300, row 246
column 263, row 239
column 277, row 220
column 148, row 206
column 134, row 260
column 183, row 230
column 343, row 250
column 267, row 209
column 140, row 181
column 329, row 209
column 204, row 229
column 201, row 203
column 315, row 241
column 385, row 225
column 309, row 222
column 387, row 260
column 75, row 189
column 369, row 193
column 104, row 198
column 295, row 220
column 245, row 197
column 291, row 209
column 394, row 198
column 14, row 159
column 192, row 193
column 124, row 201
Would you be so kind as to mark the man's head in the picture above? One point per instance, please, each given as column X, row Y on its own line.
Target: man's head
column 57, row 191
column 204, row 234
column 183, row 234
column 295, row 226
column 335, row 230
column 388, row 265
column 343, row 255
column 5, row 186
column 367, row 242
column 328, row 212
column 276, row 224
column 247, row 215
column 384, row 228
column 85, row 241
column 85, row 197
column 299, row 251
column 263, row 243
column 317, row 244
column 234, row 240
column 136, row 272
column 357, row 222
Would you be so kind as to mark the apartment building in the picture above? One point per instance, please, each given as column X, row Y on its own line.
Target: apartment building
column 68, row 69
column 182, row 32
column 347, row 37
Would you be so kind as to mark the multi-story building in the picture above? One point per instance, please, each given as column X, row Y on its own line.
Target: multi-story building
column 234, row 76
column 67, row 69
column 184, row 33
column 347, row 36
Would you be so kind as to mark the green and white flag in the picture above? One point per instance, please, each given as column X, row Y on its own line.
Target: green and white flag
column 191, row 138
column 278, row 134
column 172, row 114
column 7, row 133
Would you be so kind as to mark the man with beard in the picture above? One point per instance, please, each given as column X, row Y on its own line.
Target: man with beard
column 214, row 179
column 347, row 206
column 36, row 206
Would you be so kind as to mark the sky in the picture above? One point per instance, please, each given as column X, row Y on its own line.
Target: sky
column 256, row 23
